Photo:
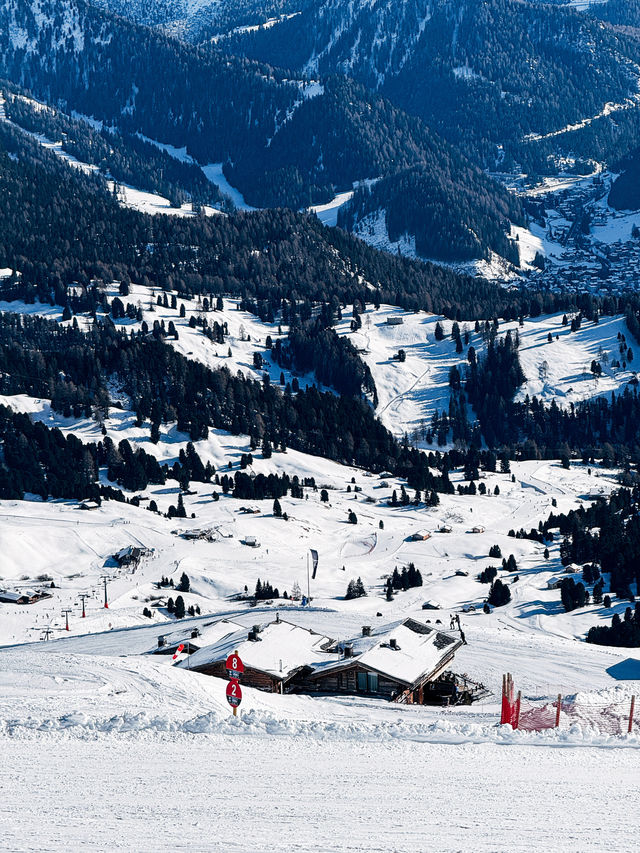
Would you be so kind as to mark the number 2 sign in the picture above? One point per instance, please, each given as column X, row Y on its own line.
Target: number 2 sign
column 234, row 693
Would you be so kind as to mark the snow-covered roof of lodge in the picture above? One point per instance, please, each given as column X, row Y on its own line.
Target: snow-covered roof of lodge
column 210, row 633
column 419, row 650
column 281, row 648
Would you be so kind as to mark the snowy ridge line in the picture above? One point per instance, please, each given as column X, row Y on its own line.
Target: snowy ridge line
column 265, row 725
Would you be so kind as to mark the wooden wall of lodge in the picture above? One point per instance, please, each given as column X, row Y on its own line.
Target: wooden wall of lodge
column 250, row 677
column 340, row 682
column 345, row 681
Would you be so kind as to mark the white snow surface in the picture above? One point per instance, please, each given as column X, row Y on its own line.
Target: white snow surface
column 213, row 172
column 328, row 213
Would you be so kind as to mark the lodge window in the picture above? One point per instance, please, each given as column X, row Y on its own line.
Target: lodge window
column 367, row 682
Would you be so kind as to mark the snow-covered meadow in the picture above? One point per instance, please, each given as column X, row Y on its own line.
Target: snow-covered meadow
column 411, row 391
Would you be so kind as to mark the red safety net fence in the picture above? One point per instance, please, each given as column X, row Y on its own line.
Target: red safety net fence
column 615, row 718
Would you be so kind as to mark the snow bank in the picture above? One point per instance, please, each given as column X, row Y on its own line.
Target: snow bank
column 263, row 724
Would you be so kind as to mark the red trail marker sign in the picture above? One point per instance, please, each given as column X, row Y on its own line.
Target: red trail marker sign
column 234, row 694
column 235, row 667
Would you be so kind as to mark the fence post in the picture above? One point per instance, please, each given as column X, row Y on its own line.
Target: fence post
column 558, row 710
column 503, row 715
column 517, row 716
column 633, row 705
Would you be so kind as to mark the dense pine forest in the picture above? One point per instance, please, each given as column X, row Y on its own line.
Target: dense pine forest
column 284, row 140
column 446, row 225
column 625, row 191
column 123, row 156
column 482, row 75
column 61, row 227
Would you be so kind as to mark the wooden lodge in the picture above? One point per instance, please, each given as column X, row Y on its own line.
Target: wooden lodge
column 131, row 555
column 272, row 654
column 420, row 536
column 393, row 662
column 28, row 596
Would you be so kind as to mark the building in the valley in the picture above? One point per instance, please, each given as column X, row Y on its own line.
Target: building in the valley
column 420, row 536
column 131, row 555
column 27, row 596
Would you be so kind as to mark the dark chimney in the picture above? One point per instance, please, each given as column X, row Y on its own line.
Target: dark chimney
column 195, row 633
column 348, row 651
column 393, row 643
column 366, row 630
column 162, row 641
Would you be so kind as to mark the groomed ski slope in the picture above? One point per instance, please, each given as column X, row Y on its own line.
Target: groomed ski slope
column 145, row 757
column 218, row 793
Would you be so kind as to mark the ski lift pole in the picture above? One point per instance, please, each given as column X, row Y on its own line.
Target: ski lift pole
column 106, row 579
column 83, row 596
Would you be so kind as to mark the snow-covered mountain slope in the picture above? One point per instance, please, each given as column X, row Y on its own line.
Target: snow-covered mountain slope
column 128, row 196
column 59, row 541
column 480, row 73
column 197, row 20
column 246, row 334
column 284, row 142
column 411, row 391
column 95, row 692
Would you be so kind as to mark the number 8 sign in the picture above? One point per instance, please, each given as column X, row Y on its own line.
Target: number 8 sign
column 234, row 665
column 234, row 693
